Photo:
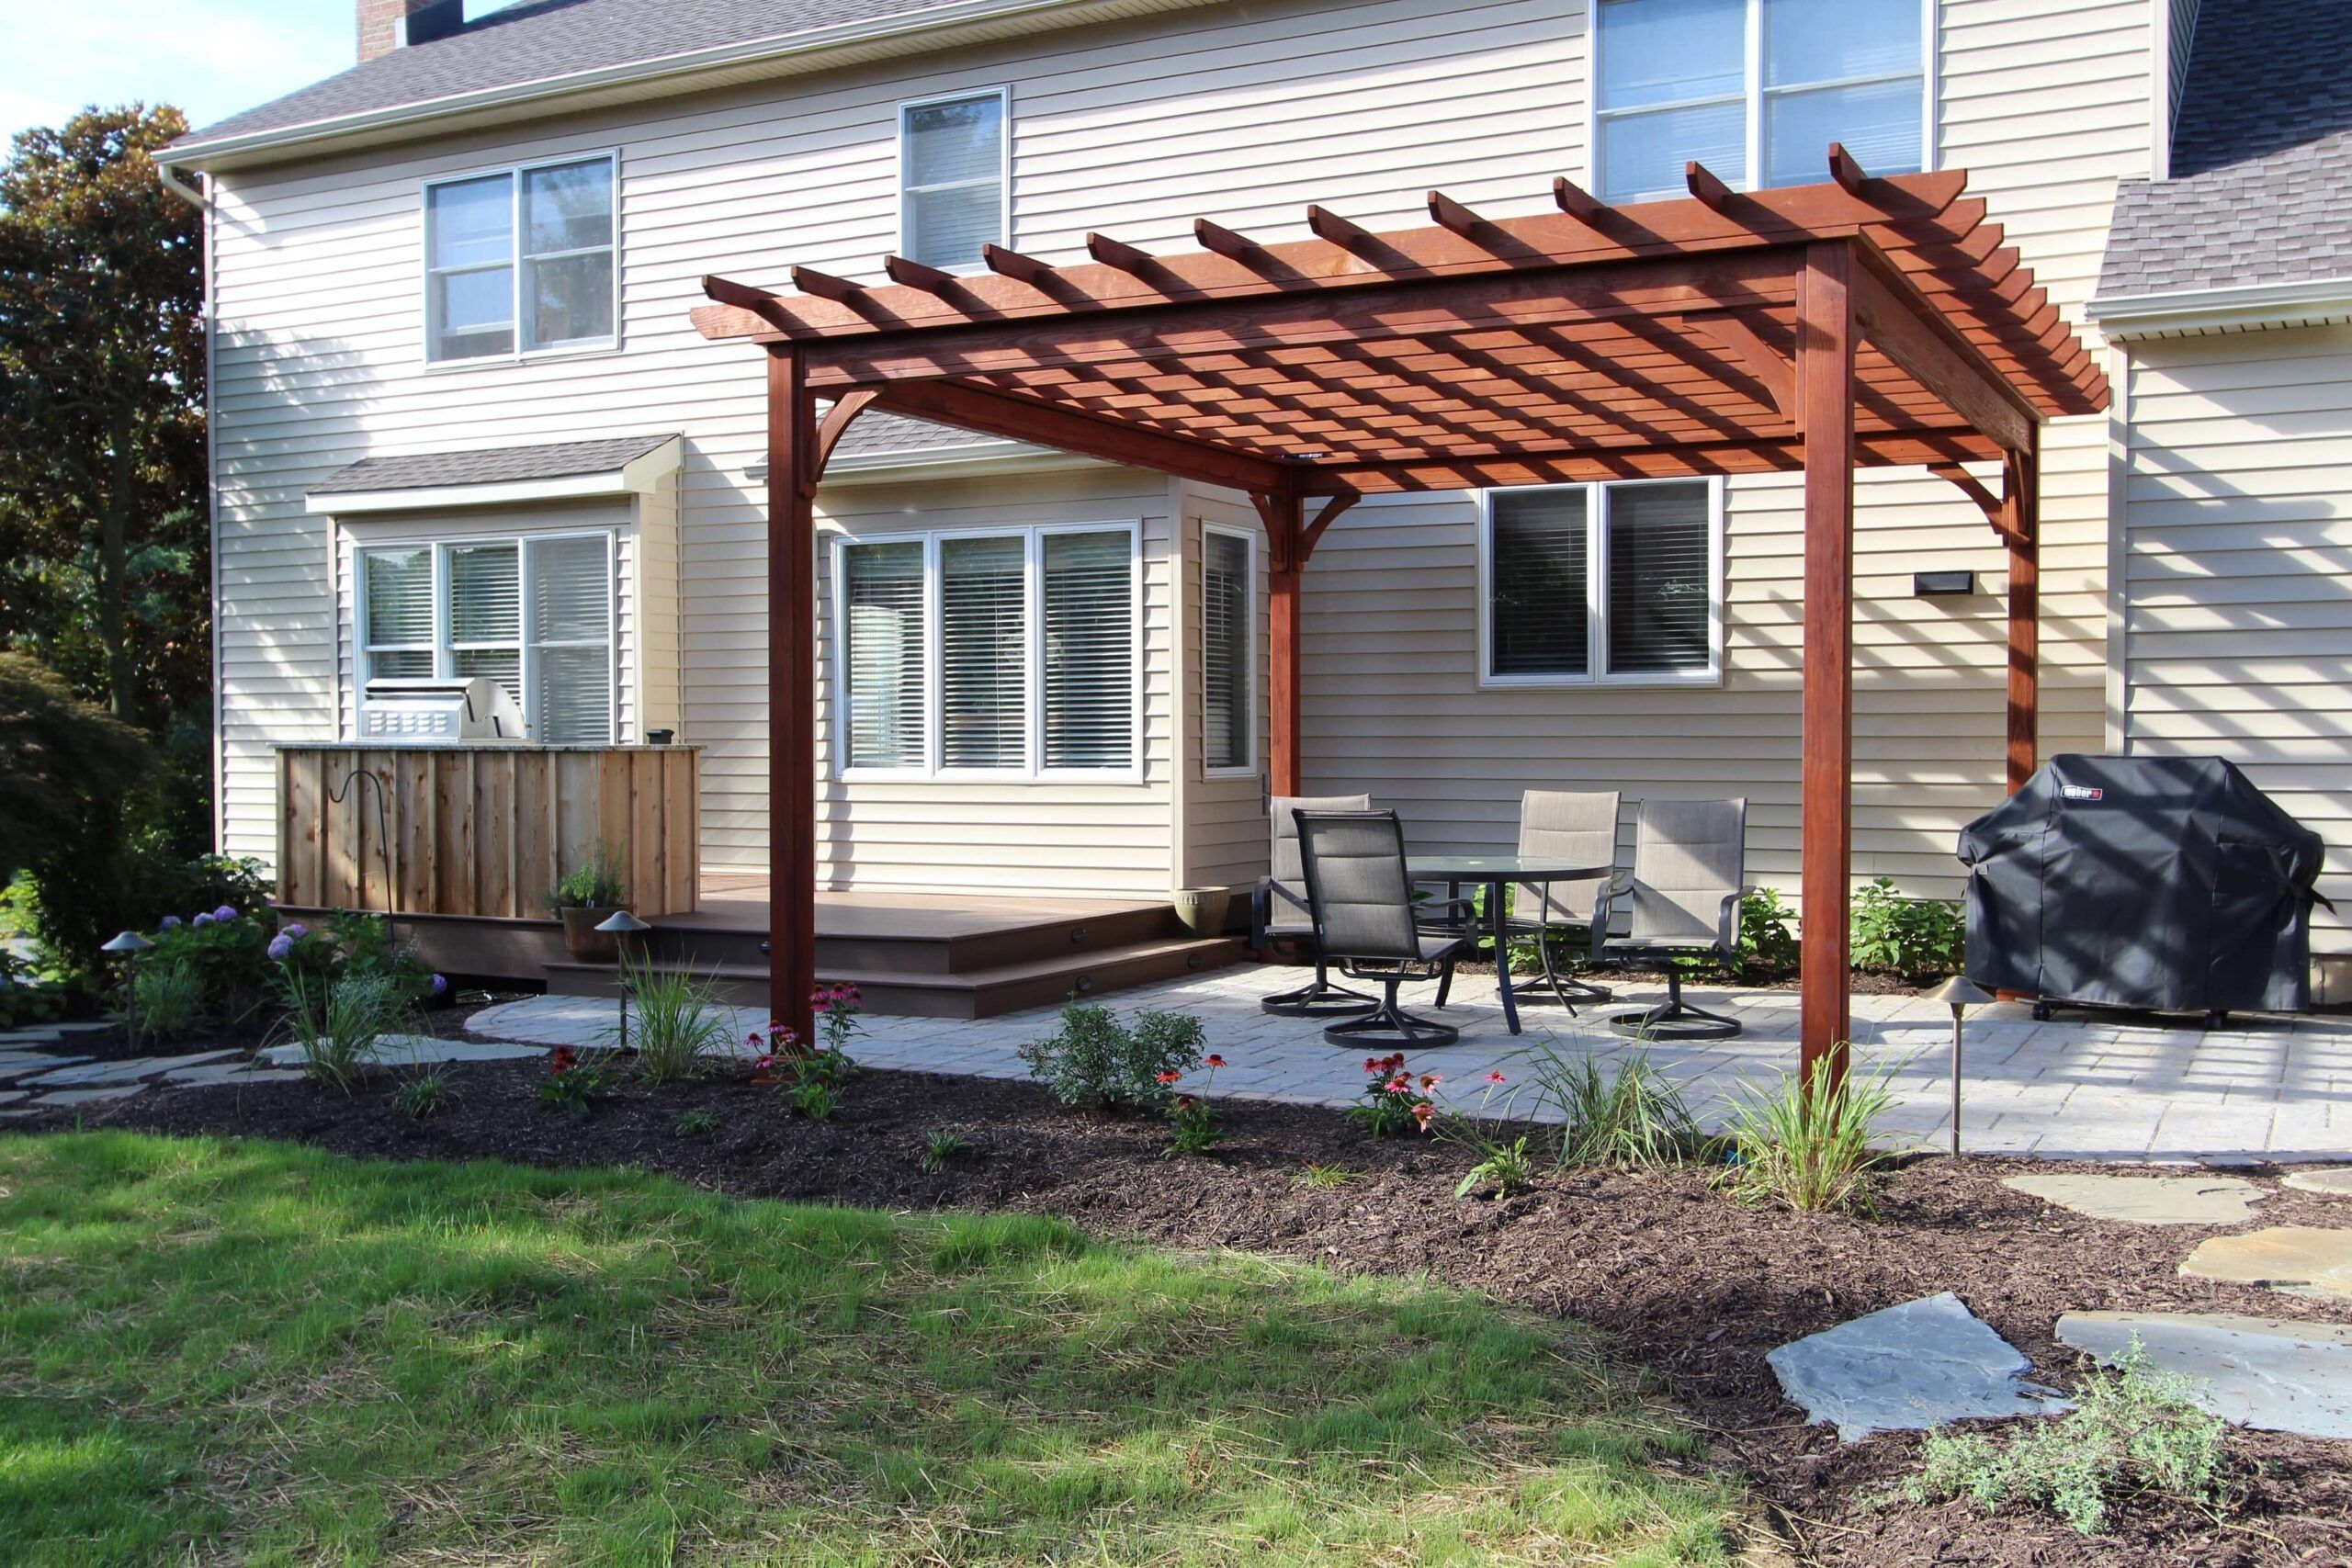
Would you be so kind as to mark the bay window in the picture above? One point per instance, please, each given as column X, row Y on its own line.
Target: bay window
column 1601, row 583
column 1754, row 89
column 534, row 614
column 1009, row 652
column 521, row 261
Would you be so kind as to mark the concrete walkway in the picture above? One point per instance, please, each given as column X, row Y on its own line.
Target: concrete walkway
column 2107, row 1088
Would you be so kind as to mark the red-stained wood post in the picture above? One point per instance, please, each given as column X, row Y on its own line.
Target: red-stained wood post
column 1826, row 409
column 2022, row 530
column 791, row 695
column 1280, row 513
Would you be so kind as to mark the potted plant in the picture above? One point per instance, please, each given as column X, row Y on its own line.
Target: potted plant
column 592, row 892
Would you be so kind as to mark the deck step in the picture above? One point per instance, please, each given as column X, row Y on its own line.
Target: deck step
column 967, row 993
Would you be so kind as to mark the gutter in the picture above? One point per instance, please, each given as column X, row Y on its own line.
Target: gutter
column 2242, row 308
column 178, row 183
column 807, row 50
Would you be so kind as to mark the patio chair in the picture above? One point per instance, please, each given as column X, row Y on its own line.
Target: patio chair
column 1279, row 919
column 1574, row 827
column 1686, row 885
column 1368, row 921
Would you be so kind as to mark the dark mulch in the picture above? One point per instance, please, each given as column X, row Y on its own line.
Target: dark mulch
column 1681, row 1278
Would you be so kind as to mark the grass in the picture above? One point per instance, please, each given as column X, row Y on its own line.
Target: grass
column 221, row 1350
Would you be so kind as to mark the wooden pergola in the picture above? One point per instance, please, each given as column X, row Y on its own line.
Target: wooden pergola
column 1860, row 321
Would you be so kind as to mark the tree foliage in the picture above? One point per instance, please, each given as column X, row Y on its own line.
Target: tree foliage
column 104, row 564
column 62, row 762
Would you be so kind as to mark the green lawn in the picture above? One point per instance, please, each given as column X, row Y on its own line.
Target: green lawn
column 218, row 1350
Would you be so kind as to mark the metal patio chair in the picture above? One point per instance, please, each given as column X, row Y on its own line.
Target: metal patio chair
column 1368, row 921
column 1279, row 918
column 1686, row 885
column 1578, row 826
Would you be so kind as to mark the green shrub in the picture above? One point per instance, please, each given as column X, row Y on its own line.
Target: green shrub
column 1630, row 1118
column 942, row 1149
column 573, row 1084
column 1808, row 1148
column 1768, row 948
column 69, row 771
column 2133, row 1433
column 170, row 997
column 226, row 953
column 602, row 883
column 421, row 1093
column 697, row 1123
column 1094, row 1059
column 1509, row 1168
column 27, row 997
column 1917, row 939
column 337, row 1025
column 676, row 1020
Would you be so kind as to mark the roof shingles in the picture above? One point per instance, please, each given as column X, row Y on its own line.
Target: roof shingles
column 501, row 465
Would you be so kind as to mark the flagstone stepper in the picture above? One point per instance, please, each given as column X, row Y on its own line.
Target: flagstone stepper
column 2145, row 1199
column 1909, row 1368
column 2278, row 1375
column 2308, row 1260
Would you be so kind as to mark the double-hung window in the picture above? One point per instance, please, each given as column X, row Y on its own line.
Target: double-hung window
column 1754, row 89
column 1601, row 583
column 1012, row 653
column 1228, row 653
column 520, row 261
column 952, row 166
column 534, row 614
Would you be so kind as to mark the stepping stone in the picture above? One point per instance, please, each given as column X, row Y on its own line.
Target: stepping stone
column 16, row 1064
column 2258, row 1372
column 16, row 1037
column 416, row 1051
column 85, row 1096
column 212, row 1073
column 93, row 1073
column 2146, row 1199
column 99, row 1027
column 2334, row 1181
column 10, row 1095
column 2307, row 1260
column 1907, row 1368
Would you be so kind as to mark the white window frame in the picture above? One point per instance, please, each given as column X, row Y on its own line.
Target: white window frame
column 1752, row 93
column 1033, row 769
column 517, row 354
column 1248, row 766
column 1003, row 96
column 1596, row 590
column 444, row 651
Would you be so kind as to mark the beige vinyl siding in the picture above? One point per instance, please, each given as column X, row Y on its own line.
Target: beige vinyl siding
column 1225, row 829
column 2238, row 570
column 1021, row 836
column 656, row 641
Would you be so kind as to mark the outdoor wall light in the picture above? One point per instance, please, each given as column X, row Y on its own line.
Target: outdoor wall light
column 1942, row 584
column 620, row 927
column 1960, row 993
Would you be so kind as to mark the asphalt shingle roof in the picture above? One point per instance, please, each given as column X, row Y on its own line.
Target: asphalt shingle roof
column 2262, row 157
column 552, row 39
column 503, row 465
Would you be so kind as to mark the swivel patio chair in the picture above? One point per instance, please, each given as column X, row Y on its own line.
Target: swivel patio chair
column 1279, row 918
column 1570, row 828
column 1686, row 887
column 1367, row 921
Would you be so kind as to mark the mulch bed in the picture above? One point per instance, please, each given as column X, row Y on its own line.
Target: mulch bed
column 1678, row 1276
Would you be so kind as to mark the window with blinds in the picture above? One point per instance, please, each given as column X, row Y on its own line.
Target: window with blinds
column 1602, row 582
column 534, row 614
column 951, row 170
column 1011, row 653
column 1229, row 648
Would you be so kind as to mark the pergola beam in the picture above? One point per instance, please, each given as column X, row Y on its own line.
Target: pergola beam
column 1911, row 334
column 991, row 413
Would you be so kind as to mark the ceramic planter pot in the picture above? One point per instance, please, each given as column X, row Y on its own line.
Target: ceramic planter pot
column 584, row 941
column 1202, row 910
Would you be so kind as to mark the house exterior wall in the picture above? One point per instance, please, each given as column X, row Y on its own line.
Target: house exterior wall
column 1246, row 115
column 2237, row 574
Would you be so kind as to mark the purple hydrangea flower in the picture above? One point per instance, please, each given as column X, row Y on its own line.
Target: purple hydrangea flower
column 298, row 930
column 202, row 920
column 225, row 912
column 168, row 923
column 281, row 947
column 440, row 986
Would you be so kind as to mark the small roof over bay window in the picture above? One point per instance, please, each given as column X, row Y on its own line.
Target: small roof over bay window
column 627, row 465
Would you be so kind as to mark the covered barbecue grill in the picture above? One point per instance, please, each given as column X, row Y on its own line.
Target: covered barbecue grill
column 2165, row 883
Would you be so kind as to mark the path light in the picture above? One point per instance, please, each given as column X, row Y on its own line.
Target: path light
column 1960, row 993
column 622, row 926
column 130, row 945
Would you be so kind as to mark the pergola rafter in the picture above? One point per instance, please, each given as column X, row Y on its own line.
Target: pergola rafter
column 1860, row 321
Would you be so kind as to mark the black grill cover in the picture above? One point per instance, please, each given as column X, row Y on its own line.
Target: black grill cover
column 2166, row 883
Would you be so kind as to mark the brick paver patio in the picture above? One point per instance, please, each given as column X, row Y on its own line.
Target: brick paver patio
column 2106, row 1086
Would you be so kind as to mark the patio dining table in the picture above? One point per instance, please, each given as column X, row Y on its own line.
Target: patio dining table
column 1494, row 873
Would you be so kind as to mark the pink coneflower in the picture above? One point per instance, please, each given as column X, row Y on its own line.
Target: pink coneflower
column 1168, row 1077
column 1215, row 1062
column 1494, row 1078
column 1422, row 1112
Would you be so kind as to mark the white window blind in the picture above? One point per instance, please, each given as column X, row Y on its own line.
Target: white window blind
column 523, row 257
column 883, row 601
column 1539, row 617
column 396, row 633
column 571, row 620
column 486, row 614
column 1756, row 90
column 1090, row 650
column 1228, row 645
column 1607, row 583
column 951, row 196
column 983, row 651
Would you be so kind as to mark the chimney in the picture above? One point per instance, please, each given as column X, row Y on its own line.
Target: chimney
column 386, row 25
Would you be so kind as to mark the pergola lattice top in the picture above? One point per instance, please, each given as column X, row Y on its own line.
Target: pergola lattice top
column 1645, row 341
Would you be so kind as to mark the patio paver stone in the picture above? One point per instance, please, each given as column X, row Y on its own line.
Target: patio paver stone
column 2258, row 1372
column 2334, row 1182
column 1909, row 1368
column 2306, row 1261
column 2146, row 1199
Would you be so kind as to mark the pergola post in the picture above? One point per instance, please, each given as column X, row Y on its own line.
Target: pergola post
column 1285, row 565
column 1824, row 341
column 793, row 469
column 2021, row 531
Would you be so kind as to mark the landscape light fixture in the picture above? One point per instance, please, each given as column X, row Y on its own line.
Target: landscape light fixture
column 130, row 945
column 621, row 926
column 1960, row 993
